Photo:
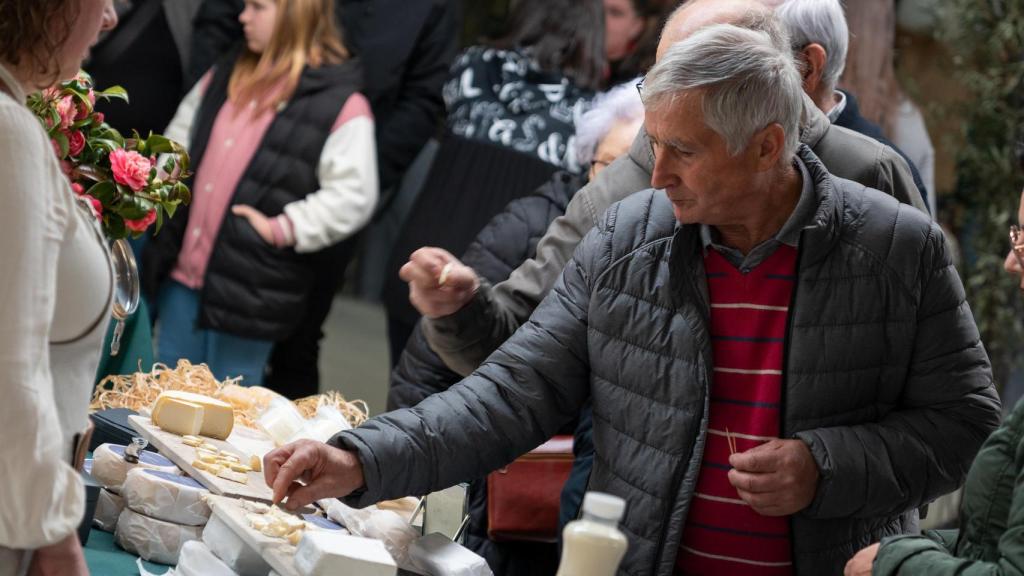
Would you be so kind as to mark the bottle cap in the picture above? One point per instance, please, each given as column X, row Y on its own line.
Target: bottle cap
column 604, row 506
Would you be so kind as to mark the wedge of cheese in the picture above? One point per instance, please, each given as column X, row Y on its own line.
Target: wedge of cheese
column 217, row 419
column 180, row 417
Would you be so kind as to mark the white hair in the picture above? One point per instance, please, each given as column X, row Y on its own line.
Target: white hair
column 620, row 104
column 819, row 22
column 747, row 80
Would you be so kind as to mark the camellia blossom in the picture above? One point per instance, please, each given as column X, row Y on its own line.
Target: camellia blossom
column 130, row 168
column 141, row 224
column 76, row 143
column 67, row 111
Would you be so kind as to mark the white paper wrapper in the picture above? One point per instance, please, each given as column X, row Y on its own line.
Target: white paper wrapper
column 195, row 560
column 436, row 555
column 153, row 540
column 110, row 469
column 231, row 549
column 376, row 524
column 167, row 497
column 108, row 509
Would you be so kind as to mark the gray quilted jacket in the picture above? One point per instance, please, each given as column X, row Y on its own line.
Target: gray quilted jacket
column 885, row 378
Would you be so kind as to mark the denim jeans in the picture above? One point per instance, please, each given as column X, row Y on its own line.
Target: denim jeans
column 227, row 355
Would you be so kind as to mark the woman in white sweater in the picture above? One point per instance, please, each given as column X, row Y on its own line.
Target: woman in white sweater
column 55, row 294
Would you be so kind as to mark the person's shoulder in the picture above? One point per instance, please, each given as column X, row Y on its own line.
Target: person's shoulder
column 638, row 219
column 21, row 133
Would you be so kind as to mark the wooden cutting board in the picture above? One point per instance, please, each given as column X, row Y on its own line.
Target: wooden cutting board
column 172, row 447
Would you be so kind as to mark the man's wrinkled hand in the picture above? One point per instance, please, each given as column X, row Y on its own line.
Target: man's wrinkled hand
column 439, row 285
column 777, row 478
column 306, row 470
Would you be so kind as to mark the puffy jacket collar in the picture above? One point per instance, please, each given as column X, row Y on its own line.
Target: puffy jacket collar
column 818, row 239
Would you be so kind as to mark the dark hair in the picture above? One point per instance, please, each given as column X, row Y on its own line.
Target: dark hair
column 35, row 30
column 654, row 14
column 565, row 35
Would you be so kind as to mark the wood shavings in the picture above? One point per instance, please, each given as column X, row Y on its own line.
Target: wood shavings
column 140, row 390
column 355, row 411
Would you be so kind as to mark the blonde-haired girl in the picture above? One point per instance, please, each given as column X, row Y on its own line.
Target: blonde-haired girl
column 280, row 134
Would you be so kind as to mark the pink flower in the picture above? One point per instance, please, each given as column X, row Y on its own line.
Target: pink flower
column 141, row 224
column 78, row 188
column 66, row 167
column 130, row 168
column 97, row 206
column 67, row 110
column 56, row 149
column 76, row 143
column 97, row 118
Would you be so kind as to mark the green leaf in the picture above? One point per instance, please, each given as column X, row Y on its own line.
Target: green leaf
column 105, row 192
column 113, row 92
column 62, row 141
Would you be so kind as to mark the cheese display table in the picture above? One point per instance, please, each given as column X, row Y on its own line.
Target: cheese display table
column 201, row 504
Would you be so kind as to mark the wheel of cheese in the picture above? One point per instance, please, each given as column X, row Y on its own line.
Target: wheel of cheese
column 108, row 508
column 167, row 497
column 152, row 539
column 110, row 469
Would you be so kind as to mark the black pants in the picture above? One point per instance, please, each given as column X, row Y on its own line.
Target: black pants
column 294, row 368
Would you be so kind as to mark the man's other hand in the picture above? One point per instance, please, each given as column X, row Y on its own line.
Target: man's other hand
column 777, row 478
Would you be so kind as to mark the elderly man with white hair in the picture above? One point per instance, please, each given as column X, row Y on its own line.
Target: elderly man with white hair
column 781, row 363
column 821, row 38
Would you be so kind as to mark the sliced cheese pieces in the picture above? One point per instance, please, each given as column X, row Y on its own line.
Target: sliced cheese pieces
column 110, row 469
column 324, row 553
column 176, row 499
column 152, row 539
column 177, row 411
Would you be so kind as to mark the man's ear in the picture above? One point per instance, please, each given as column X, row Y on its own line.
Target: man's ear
column 813, row 58
column 769, row 144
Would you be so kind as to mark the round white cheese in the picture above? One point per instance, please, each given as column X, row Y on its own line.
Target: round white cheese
column 110, row 469
column 167, row 497
column 108, row 507
column 152, row 539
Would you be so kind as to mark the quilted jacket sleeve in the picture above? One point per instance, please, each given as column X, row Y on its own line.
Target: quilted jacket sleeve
column 527, row 390
column 924, row 447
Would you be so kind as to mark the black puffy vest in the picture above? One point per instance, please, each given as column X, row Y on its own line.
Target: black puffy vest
column 251, row 288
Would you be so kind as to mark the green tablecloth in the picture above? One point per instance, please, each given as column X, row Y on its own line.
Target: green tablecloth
column 105, row 558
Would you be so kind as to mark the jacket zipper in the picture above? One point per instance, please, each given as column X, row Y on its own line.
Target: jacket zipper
column 785, row 372
column 677, row 481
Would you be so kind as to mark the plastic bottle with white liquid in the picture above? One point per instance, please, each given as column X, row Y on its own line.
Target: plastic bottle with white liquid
column 594, row 545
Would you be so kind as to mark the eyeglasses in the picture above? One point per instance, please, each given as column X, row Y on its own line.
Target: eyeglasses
column 640, row 86
column 1017, row 244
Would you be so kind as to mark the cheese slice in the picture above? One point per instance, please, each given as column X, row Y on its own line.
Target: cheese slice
column 180, row 417
column 218, row 416
column 152, row 539
column 176, row 499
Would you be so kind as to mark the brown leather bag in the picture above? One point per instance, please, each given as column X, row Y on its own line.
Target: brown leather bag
column 523, row 497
